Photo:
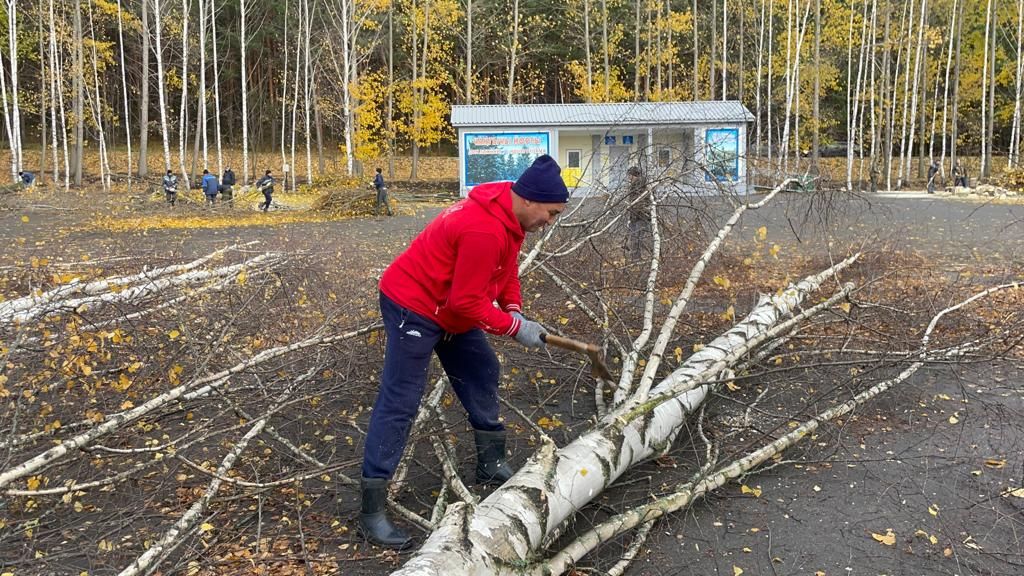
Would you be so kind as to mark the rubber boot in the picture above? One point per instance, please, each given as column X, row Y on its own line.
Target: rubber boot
column 491, row 466
column 374, row 523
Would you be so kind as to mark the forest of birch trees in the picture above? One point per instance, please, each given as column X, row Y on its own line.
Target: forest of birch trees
column 137, row 86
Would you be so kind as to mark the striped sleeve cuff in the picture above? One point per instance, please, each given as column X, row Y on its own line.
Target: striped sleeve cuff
column 513, row 308
column 514, row 327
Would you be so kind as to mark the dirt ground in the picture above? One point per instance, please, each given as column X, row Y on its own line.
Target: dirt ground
column 934, row 461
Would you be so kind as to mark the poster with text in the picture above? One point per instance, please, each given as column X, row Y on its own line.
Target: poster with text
column 723, row 154
column 502, row 156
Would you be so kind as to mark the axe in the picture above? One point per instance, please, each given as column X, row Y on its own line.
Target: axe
column 598, row 368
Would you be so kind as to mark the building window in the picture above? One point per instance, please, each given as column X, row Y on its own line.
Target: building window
column 627, row 140
column 664, row 157
column 609, row 140
column 574, row 159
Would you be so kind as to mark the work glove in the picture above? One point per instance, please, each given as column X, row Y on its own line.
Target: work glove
column 530, row 333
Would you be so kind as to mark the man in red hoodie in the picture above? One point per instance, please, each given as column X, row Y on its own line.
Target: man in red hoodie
column 439, row 297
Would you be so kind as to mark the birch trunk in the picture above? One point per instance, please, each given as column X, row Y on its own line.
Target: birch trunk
column 1015, row 133
column 97, row 108
column 12, row 44
column 816, row 136
column 284, row 100
column 918, row 84
column 202, row 118
column 984, row 90
column 986, row 167
column 56, row 83
column 79, row 89
column 161, row 89
column 469, row 50
column 513, row 51
column 124, row 91
column 243, row 41
column 143, row 169
column 182, row 120
column 307, row 84
column 696, row 44
column 953, row 22
column 500, row 533
column 11, row 141
column 54, row 74
column 216, row 86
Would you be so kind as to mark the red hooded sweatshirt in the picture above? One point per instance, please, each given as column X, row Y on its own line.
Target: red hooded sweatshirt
column 462, row 262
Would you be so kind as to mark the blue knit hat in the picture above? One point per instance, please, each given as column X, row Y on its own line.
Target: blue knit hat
column 542, row 182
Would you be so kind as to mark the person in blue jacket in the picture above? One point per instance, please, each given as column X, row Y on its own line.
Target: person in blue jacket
column 27, row 178
column 210, row 186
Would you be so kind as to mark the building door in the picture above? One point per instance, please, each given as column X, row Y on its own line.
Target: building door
column 618, row 163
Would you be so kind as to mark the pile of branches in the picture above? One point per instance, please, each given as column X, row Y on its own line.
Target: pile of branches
column 208, row 417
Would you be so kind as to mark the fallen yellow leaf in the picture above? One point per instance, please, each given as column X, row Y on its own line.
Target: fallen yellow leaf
column 744, row 489
column 889, row 538
column 736, row 571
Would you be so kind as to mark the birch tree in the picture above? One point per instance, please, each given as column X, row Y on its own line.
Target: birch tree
column 12, row 61
column 144, row 80
column 161, row 84
column 182, row 118
column 244, row 71
column 124, row 91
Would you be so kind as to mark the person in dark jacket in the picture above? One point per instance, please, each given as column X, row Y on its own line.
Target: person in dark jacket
column 266, row 185
column 437, row 297
column 933, row 171
column 170, row 187
column 27, row 178
column 226, row 192
column 210, row 186
column 382, row 195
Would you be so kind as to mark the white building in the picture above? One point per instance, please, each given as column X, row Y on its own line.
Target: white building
column 700, row 145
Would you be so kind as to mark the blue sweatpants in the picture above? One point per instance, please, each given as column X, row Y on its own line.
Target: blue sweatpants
column 467, row 359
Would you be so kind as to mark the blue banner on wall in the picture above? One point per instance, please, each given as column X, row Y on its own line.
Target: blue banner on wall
column 492, row 157
column 722, row 152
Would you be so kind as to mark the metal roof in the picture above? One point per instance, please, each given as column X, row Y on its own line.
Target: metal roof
column 612, row 114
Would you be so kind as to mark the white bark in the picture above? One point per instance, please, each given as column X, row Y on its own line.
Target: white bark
column 161, row 91
column 307, row 83
column 984, row 87
column 124, row 90
column 54, row 74
column 945, row 85
column 513, row 51
column 97, row 108
column 184, row 94
column 1015, row 133
column 11, row 140
column 216, row 87
column 503, row 531
column 243, row 40
column 12, row 44
column 203, row 118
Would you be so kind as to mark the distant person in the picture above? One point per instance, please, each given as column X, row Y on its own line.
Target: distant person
column 266, row 185
column 171, row 187
column 959, row 175
column 226, row 191
column 27, row 178
column 382, row 195
column 933, row 171
column 210, row 187
column 638, row 212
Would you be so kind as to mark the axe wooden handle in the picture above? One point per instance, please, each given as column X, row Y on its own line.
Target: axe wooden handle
column 595, row 354
column 569, row 344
